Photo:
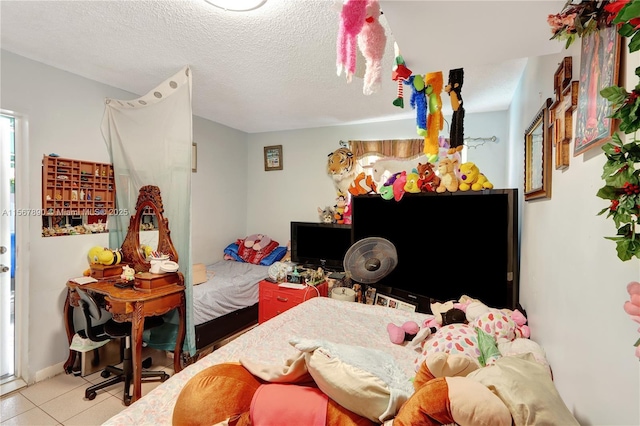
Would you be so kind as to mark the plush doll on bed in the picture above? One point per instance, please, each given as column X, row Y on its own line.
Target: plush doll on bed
column 225, row 392
column 516, row 390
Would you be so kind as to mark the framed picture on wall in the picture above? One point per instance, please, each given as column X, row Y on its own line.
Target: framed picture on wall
column 599, row 68
column 537, row 156
column 273, row 157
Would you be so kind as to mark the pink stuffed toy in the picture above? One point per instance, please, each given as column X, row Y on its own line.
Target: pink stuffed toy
column 632, row 307
column 372, row 41
column 406, row 331
column 352, row 18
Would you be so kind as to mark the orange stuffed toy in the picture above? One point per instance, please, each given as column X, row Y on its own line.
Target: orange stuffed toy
column 225, row 392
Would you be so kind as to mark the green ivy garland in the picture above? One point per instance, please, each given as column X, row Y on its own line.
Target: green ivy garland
column 621, row 172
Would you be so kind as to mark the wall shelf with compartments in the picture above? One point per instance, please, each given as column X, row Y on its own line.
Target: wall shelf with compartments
column 76, row 187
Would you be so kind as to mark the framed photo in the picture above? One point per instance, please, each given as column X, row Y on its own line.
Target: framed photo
column 273, row 157
column 390, row 302
column 599, row 66
column 537, row 156
column 194, row 157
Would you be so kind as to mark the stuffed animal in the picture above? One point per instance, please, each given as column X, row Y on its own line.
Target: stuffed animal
column 230, row 392
column 444, row 395
column 418, row 102
column 104, row 256
column 435, row 120
column 372, row 41
column 326, row 215
column 412, row 183
column 128, row 273
column 386, row 190
column 400, row 74
column 362, row 184
column 339, row 208
column 352, row 19
column 341, row 166
column 454, row 89
column 394, row 165
column 428, row 180
column 516, row 390
column 398, row 186
column 471, row 178
column 448, row 179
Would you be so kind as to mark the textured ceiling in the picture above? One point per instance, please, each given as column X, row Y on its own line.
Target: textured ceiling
column 274, row 68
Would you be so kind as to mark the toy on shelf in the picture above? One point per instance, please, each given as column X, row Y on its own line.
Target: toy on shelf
column 471, row 178
column 435, row 120
column 418, row 101
column 454, row 89
column 412, row 183
column 339, row 208
column 400, row 74
column 362, row 184
column 352, row 19
column 448, row 179
column 394, row 165
column 341, row 166
column 326, row 215
column 372, row 41
column 428, row 180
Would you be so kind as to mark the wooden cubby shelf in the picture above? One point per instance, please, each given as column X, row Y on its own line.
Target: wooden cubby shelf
column 77, row 188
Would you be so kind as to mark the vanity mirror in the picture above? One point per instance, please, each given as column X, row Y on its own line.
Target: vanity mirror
column 149, row 209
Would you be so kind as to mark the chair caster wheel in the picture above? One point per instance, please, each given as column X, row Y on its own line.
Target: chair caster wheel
column 147, row 363
column 105, row 373
column 90, row 396
column 127, row 400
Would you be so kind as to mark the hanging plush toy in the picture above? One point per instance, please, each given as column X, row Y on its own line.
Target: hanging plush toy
column 400, row 74
column 454, row 88
column 435, row 120
column 372, row 41
column 418, row 102
column 352, row 18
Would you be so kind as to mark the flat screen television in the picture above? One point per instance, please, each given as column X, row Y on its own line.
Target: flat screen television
column 449, row 245
column 320, row 244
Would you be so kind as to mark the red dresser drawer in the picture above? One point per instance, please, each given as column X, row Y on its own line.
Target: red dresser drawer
column 274, row 299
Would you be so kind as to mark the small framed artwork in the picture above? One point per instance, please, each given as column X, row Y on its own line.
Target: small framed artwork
column 562, row 112
column 273, row 157
column 194, row 157
column 537, row 156
column 599, row 67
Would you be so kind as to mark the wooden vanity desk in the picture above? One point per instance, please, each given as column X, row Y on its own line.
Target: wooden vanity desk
column 130, row 305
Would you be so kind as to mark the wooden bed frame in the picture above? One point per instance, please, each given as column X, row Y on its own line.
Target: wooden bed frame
column 218, row 329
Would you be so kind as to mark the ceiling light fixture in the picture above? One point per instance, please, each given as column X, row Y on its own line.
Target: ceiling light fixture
column 237, row 5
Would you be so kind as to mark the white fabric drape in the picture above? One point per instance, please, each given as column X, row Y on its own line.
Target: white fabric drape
column 150, row 143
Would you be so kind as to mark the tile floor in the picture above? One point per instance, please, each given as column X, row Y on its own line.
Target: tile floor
column 60, row 399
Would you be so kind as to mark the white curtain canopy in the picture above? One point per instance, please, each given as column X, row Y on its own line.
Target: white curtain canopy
column 149, row 140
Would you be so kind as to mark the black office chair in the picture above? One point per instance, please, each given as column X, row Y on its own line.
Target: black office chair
column 112, row 330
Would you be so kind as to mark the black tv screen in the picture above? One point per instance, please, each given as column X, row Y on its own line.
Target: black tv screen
column 320, row 244
column 449, row 245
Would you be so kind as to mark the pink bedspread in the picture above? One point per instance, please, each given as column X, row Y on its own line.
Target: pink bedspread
column 317, row 318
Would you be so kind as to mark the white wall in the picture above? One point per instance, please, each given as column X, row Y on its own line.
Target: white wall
column 572, row 284
column 64, row 112
column 276, row 198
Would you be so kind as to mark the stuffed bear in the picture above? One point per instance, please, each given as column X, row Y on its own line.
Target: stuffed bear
column 226, row 392
column 517, row 390
column 471, row 178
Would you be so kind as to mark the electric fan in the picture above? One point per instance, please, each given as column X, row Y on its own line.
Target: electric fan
column 369, row 260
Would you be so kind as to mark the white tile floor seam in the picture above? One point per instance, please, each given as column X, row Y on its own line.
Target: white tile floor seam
column 59, row 401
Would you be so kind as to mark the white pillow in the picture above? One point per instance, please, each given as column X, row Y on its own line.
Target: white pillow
column 365, row 381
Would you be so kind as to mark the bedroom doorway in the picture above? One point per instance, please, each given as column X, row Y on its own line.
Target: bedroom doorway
column 8, row 370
